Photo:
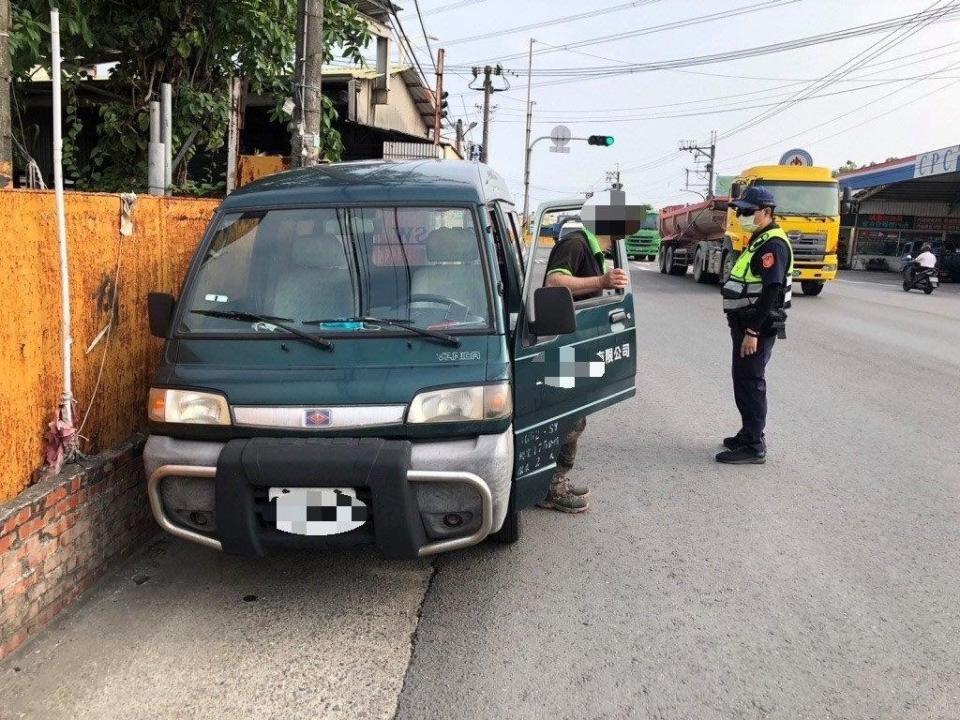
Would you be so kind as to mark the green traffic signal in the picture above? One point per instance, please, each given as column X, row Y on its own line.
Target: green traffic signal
column 603, row 140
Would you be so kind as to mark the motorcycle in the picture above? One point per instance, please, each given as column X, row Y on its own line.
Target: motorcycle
column 917, row 277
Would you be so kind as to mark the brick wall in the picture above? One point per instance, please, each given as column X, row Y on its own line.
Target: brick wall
column 58, row 536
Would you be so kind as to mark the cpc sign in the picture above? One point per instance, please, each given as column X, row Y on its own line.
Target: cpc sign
column 937, row 162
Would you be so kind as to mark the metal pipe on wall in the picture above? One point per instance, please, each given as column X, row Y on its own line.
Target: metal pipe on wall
column 166, row 134
column 155, row 152
column 66, row 399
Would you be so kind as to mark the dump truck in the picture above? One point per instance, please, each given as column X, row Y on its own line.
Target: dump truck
column 708, row 236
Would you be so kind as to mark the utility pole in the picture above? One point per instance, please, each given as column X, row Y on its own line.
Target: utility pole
column 525, row 220
column 459, row 136
column 309, row 107
column 438, row 111
column 703, row 158
column 613, row 177
column 488, row 90
column 6, row 127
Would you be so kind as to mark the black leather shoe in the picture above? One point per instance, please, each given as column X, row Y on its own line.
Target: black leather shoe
column 742, row 456
column 732, row 443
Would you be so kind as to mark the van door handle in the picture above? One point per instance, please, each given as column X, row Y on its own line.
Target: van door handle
column 618, row 316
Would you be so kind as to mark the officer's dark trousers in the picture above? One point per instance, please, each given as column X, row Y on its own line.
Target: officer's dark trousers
column 750, row 388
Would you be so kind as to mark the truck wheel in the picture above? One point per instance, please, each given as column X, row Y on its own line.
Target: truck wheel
column 699, row 274
column 662, row 260
column 811, row 287
column 697, row 266
column 729, row 260
column 510, row 532
column 672, row 268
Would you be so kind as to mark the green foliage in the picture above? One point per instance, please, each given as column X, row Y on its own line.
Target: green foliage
column 197, row 45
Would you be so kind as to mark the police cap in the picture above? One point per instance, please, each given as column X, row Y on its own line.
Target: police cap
column 754, row 198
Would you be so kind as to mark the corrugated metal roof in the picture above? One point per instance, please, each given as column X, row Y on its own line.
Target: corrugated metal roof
column 936, row 188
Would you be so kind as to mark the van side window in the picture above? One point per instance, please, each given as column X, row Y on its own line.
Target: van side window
column 512, row 221
column 552, row 223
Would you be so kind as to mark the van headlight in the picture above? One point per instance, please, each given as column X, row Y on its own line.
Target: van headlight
column 462, row 404
column 188, row 406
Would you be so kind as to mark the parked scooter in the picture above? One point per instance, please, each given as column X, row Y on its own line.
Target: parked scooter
column 918, row 277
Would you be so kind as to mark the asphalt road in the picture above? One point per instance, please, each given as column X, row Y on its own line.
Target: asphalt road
column 823, row 584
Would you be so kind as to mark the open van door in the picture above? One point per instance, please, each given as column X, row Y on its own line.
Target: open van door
column 560, row 379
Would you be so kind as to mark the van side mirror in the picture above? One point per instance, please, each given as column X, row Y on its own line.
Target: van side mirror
column 553, row 312
column 734, row 191
column 160, row 311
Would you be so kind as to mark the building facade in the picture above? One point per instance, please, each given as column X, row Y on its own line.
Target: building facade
column 900, row 205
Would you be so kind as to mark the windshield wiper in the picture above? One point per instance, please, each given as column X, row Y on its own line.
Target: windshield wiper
column 243, row 316
column 434, row 334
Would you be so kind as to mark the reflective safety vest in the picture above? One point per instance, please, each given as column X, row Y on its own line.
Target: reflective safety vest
column 743, row 288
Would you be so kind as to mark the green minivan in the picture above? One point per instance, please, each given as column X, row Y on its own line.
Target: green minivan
column 364, row 353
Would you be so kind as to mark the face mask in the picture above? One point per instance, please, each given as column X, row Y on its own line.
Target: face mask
column 747, row 222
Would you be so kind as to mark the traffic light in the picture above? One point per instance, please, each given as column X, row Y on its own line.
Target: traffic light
column 443, row 104
column 602, row 140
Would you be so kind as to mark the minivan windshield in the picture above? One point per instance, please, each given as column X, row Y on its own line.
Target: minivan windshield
column 822, row 199
column 331, row 270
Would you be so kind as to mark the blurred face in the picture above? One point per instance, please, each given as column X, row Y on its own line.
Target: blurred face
column 762, row 217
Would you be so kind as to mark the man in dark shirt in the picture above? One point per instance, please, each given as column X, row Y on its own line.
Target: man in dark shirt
column 754, row 298
column 576, row 262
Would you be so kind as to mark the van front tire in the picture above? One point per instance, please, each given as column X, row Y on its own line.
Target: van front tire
column 510, row 532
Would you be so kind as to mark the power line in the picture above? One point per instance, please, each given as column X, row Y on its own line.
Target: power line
column 859, row 109
column 402, row 37
column 788, row 82
column 734, row 107
column 452, row 6
column 693, row 61
column 696, row 20
column 426, row 38
column 513, row 30
column 896, row 36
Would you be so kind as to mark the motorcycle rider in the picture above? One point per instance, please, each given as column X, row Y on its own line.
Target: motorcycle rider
column 926, row 259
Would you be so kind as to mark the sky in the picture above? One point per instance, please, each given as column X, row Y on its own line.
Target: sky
column 894, row 92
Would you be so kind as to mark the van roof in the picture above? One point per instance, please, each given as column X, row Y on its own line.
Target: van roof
column 377, row 181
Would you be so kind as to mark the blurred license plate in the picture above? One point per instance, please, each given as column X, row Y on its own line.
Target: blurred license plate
column 318, row 511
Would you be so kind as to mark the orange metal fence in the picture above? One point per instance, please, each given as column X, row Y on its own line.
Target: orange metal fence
column 154, row 256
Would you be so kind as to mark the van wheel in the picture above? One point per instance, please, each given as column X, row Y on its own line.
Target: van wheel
column 510, row 532
column 811, row 287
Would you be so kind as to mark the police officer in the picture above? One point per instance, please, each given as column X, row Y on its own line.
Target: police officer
column 577, row 262
column 755, row 298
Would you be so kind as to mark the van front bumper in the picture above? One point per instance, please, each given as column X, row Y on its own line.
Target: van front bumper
column 423, row 497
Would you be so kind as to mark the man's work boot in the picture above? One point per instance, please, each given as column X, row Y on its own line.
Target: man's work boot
column 732, row 443
column 743, row 455
column 579, row 490
column 562, row 498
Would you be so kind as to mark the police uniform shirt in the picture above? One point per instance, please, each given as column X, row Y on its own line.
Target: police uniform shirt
column 574, row 256
column 772, row 260
column 771, row 263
